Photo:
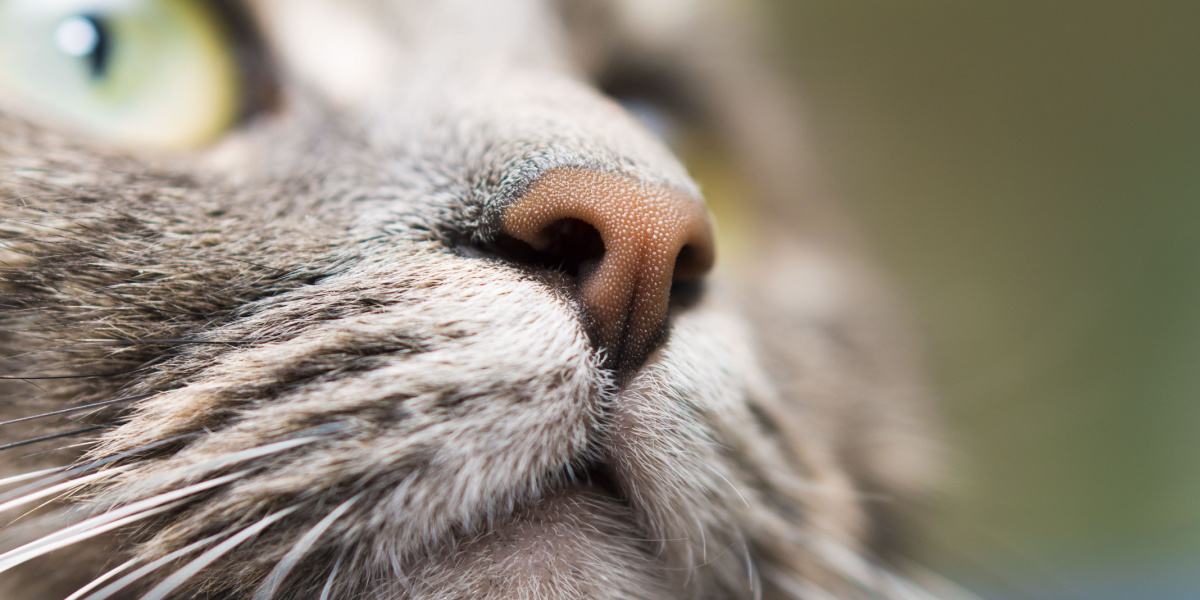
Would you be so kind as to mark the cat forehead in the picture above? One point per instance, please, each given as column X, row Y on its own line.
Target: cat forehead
column 355, row 49
column 511, row 23
column 414, row 27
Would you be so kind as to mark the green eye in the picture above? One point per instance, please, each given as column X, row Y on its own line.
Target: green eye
column 138, row 72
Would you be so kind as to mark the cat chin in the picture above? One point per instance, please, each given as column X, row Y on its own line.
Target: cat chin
column 577, row 543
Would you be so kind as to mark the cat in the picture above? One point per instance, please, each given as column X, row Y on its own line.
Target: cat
column 434, row 315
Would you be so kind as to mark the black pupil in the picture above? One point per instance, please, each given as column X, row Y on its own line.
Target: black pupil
column 96, row 52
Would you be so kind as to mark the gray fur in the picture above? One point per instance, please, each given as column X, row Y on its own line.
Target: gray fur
column 305, row 304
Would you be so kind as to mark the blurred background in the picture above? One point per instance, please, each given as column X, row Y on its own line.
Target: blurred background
column 1028, row 172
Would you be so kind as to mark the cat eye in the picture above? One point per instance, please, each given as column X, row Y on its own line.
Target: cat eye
column 156, row 73
column 652, row 98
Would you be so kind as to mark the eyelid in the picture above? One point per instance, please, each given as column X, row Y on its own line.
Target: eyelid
column 658, row 119
column 654, row 94
column 660, row 82
column 260, row 91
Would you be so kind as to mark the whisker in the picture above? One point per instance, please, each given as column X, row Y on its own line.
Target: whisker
column 211, row 555
column 141, row 572
column 231, row 458
column 941, row 587
column 753, row 580
column 54, row 489
column 91, row 465
column 901, row 589
column 703, row 541
column 271, row 584
column 742, row 497
column 34, row 385
column 26, row 553
column 73, row 409
column 872, row 577
column 93, row 584
column 108, row 521
column 51, row 436
column 205, row 466
column 327, row 589
column 30, row 475
column 800, row 590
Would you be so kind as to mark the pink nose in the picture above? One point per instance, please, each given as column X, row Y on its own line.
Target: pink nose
column 652, row 237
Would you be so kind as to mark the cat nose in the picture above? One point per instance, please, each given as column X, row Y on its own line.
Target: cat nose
column 627, row 242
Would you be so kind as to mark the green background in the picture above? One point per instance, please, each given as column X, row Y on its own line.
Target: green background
column 1028, row 173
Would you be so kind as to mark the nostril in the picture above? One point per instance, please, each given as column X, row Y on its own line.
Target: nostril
column 627, row 243
column 574, row 247
column 688, row 265
column 569, row 246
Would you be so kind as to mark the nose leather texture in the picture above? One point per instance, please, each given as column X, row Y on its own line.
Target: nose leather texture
column 653, row 236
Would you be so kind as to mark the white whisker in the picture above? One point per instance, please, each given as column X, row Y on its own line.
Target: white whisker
column 66, row 473
column 288, row 562
column 328, row 588
column 54, row 489
column 931, row 586
column 181, row 576
column 146, row 569
column 26, row 553
column 113, row 572
column 752, row 577
column 105, row 522
column 801, row 590
column 232, row 458
column 735, row 489
column 30, row 475
column 703, row 539
column 852, row 565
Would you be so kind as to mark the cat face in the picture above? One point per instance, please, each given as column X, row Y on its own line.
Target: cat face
column 426, row 314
